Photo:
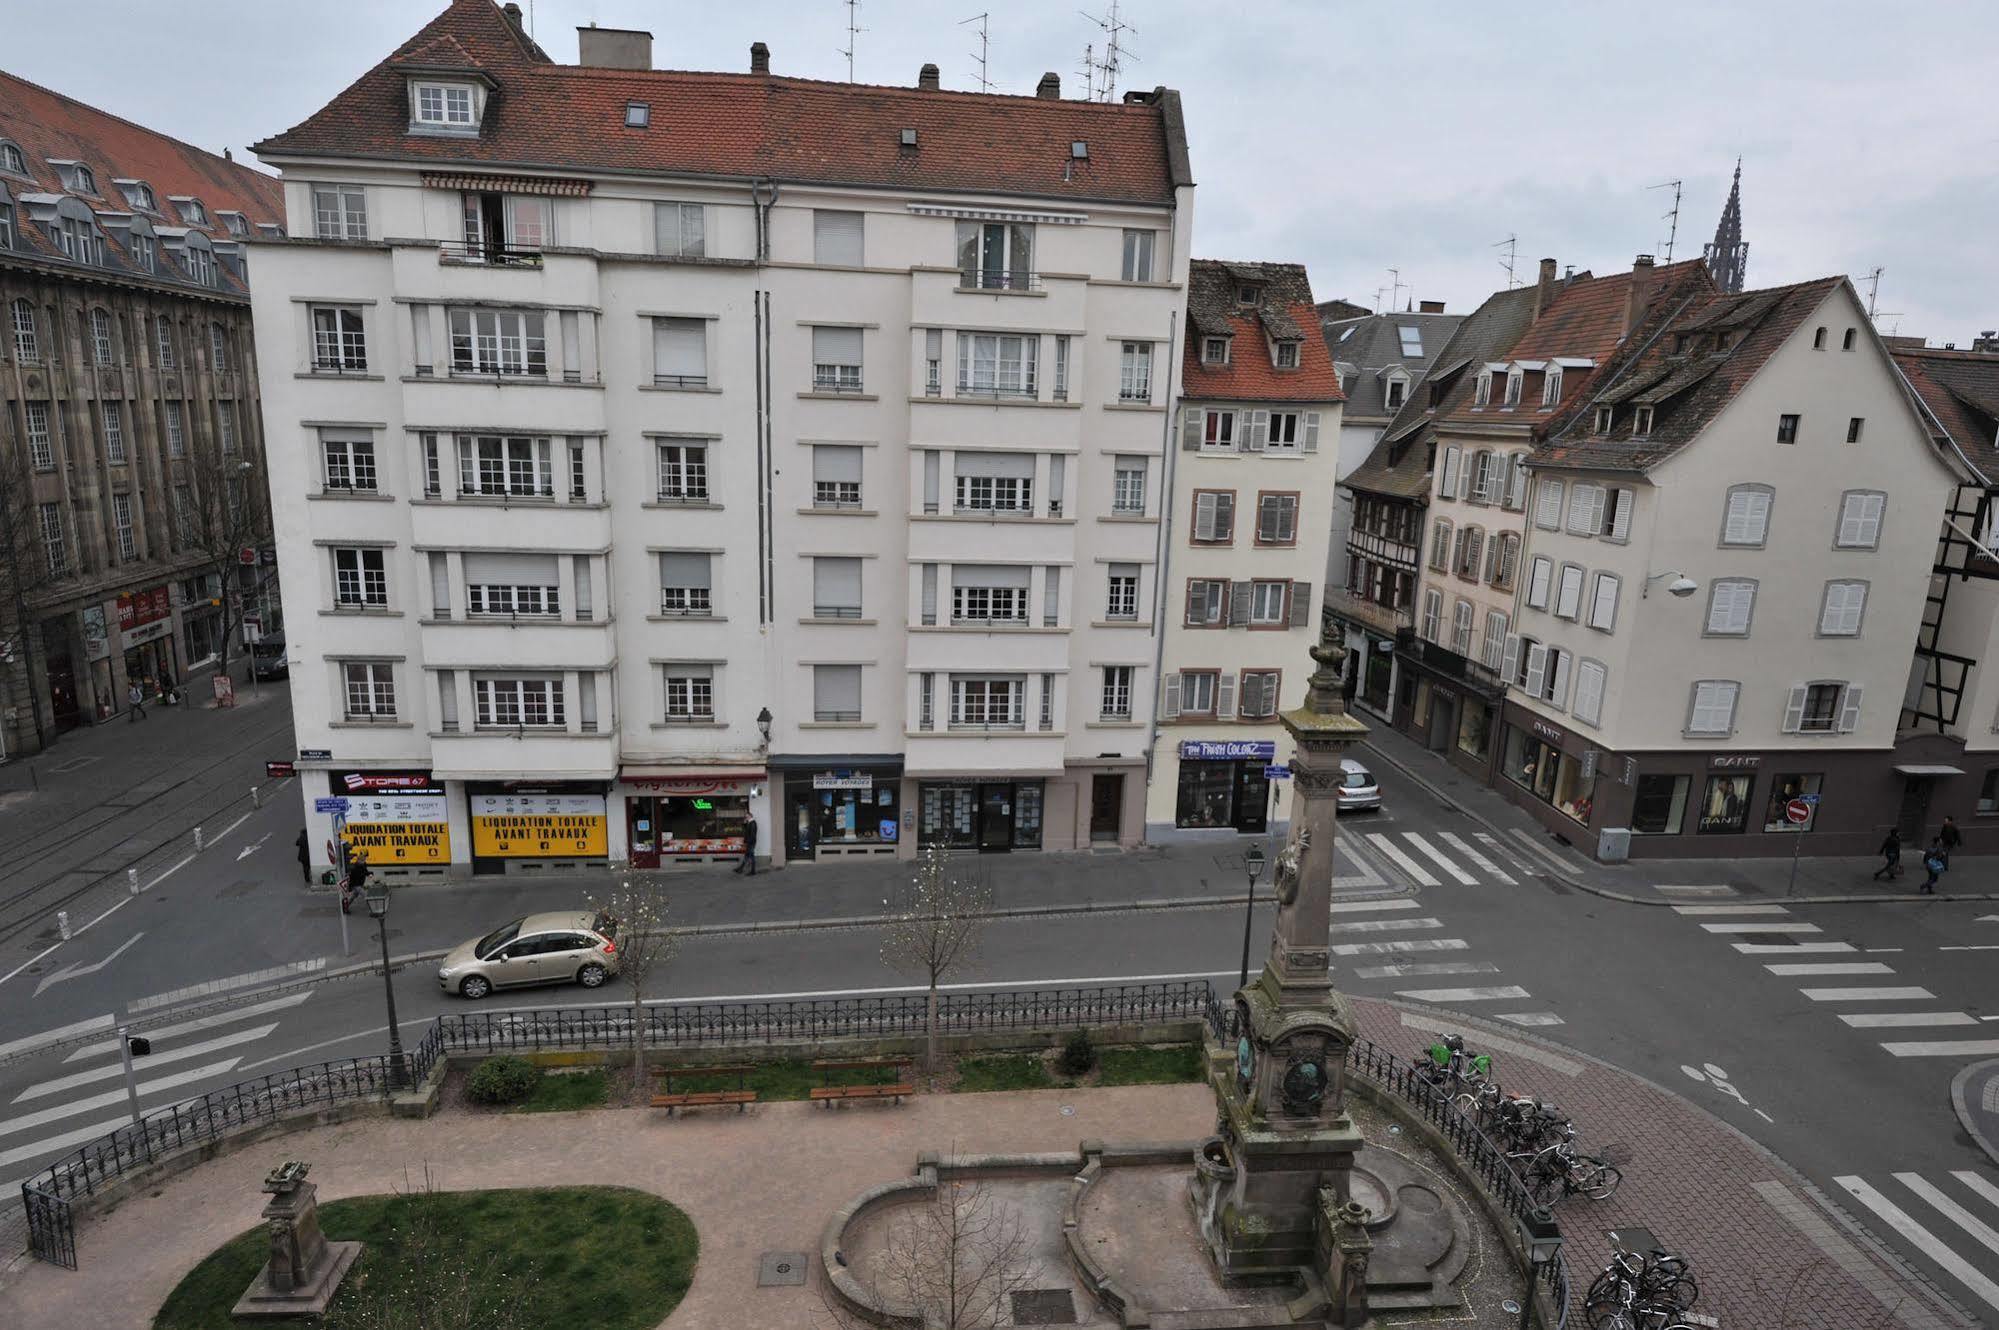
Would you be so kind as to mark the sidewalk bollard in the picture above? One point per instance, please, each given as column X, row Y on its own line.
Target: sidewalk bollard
column 62, row 924
column 132, row 880
column 198, row 847
column 255, row 799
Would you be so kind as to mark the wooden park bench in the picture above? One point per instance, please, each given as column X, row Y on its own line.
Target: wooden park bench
column 670, row 1099
column 894, row 1085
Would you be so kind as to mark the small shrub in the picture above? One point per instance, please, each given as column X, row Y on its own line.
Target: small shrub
column 502, row 1080
column 1079, row 1055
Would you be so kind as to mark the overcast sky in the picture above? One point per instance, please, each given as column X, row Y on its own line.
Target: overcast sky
column 1354, row 138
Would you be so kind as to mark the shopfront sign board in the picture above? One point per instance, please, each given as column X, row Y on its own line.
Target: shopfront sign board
column 843, row 780
column 1228, row 750
column 538, row 826
column 394, row 817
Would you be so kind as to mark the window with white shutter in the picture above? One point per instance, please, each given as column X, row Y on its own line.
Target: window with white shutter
column 1746, row 520
column 1257, row 698
column 512, row 584
column 1540, row 575
column 1559, row 662
column 1537, row 670
column 1585, row 510
column 1461, row 616
column 1569, row 592
column 1860, row 519
column 1729, row 606
column 1590, row 676
column 1841, row 612
column 1433, row 614
column 1516, row 481
column 1311, row 432
column 1447, row 487
column 1548, row 505
column 1495, row 638
column 1618, row 525
column 1603, row 602
column 1509, row 659
column 1713, row 708
column 1214, row 516
column 1440, row 544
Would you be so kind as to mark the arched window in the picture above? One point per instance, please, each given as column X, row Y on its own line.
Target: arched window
column 1846, row 342
column 1818, row 340
column 27, row 346
column 12, row 159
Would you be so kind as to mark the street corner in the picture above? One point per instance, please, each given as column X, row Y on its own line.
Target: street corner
column 1974, row 1096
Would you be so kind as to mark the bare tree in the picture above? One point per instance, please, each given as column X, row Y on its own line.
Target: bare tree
column 952, row 1262
column 228, row 513
column 638, row 908
column 935, row 921
column 24, row 574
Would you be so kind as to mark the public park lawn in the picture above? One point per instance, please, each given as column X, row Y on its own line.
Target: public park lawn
column 1005, row 1072
column 561, row 1257
column 784, row 1080
column 565, row 1093
column 1149, row 1066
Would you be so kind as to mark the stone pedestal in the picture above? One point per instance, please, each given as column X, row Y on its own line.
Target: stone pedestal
column 304, row 1270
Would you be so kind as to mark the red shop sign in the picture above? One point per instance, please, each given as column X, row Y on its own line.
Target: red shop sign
column 139, row 608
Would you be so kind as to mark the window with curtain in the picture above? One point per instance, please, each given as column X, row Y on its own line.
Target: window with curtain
column 997, row 364
column 996, row 255
column 680, row 230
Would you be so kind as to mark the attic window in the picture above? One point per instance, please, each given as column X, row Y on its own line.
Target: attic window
column 1412, row 339
column 76, row 177
column 1287, row 355
column 1641, row 424
column 1247, row 293
column 1679, row 343
column 1514, row 382
column 1846, row 342
column 1551, row 386
column 446, row 104
column 1818, row 340
column 1482, row 389
column 1604, row 415
column 12, row 160
column 238, row 224
column 1214, row 350
column 191, row 210
column 1396, row 392
column 638, row 115
column 139, row 195
column 1079, row 149
column 1721, row 340
column 909, row 138
column 271, row 230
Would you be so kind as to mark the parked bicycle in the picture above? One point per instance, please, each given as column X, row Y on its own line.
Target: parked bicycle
column 1641, row 1293
column 1450, row 1066
column 1558, row 1173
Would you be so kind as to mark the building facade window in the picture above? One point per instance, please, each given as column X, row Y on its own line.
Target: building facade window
column 114, row 433
column 369, row 689
column 994, row 483
column 1121, row 594
column 1207, row 602
column 517, row 703
column 1135, row 372
column 836, row 360
column 836, row 588
column 996, row 255
column 836, row 475
column 1276, row 519
column 339, row 346
column 689, row 692
column 27, row 345
column 176, row 429
column 54, row 545
column 836, row 694
column 510, row 466
column 512, row 585
column 1731, row 604
column 360, row 579
column 1214, row 517
column 446, row 105
column 1116, row 704
column 997, row 364
column 498, row 341
column 1844, row 605
column 121, row 525
column 340, row 212
column 680, row 230
column 1746, row 519
column 1138, row 255
column 683, row 473
column 101, row 350
column 1128, row 487
column 1860, row 520
column 988, row 703
column 1822, row 708
column 837, row 237
column 680, row 353
column 1713, row 707
column 686, row 584
column 1787, row 428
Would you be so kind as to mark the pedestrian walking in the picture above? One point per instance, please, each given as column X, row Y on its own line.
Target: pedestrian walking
column 1935, row 861
column 169, row 691
column 305, row 856
column 1891, row 856
column 749, row 863
column 1949, row 837
column 135, row 700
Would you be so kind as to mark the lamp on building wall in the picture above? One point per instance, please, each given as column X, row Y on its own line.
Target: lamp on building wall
column 1681, row 585
column 763, row 725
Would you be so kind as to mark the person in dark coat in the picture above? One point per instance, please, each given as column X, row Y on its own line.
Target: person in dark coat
column 305, row 856
column 1935, row 861
column 1949, row 838
column 1891, row 855
column 749, row 863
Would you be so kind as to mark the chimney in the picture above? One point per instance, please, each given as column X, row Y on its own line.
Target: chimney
column 1545, row 288
column 759, row 58
column 613, row 48
column 926, row 78
column 1638, row 292
column 1050, row 87
column 228, row 156
column 513, row 13
column 1430, row 307
column 1987, row 340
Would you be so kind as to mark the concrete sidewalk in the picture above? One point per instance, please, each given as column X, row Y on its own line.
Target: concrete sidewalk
column 1767, row 1249
column 1833, row 880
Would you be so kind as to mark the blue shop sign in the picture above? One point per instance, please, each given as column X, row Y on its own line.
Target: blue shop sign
column 1228, row 750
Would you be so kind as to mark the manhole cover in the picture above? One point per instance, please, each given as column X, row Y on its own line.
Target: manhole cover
column 1770, row 939
column 775, row 1269
column 1044, row 1306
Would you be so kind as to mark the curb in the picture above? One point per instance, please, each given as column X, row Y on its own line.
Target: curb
column 1608, row 893
column 1940, row 1298
column 1960, row 1102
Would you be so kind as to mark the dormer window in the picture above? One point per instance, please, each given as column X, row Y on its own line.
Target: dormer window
column 1723, row 340
column 1395, row 392
column 638, row 115
column 13, row 160
column 190, row 210
column 236, row 223
column 270, row 230
column 445, row 105
column 139, row 194
column 1214, row 350
column 1551, row 386
column 76, row 177
column 1287, row 355
column 1604, row 415
column 1248, row 293
column 1641, row 424
column 1482, row 389
column 1514, row 381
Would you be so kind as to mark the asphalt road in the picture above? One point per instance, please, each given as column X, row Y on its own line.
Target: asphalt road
column 1860, row 1106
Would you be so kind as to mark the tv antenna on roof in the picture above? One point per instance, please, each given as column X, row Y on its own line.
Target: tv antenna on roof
column 985, row 84
column 1873, row 280
column 1395, row 288
column 1512, row 245
column 1103, row 87
column 1671, row 218
column 853, row 29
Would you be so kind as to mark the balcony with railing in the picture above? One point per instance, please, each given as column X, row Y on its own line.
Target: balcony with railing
column 461, row 252
column 1352, row 606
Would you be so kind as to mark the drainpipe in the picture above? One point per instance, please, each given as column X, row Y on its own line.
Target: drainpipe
column 1164, row 553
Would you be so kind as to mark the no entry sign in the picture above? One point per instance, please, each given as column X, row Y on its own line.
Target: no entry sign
column 1798, row 811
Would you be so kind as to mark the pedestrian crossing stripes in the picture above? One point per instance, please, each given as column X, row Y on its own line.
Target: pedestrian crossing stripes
column 1417, row 873
column 1945, row 1048
column 1793, row 948
column 1423, row 957
column 1728, row 909
column 1869, row 1020
column 1868, row 994
column 1388, row 925
column 1442, row 862
column 1761, row 926
column 1484, row 865
column 1685, row 890
column 1930, row 1204
column 1414, row 968
column 1829, row 968
column 1425, row 863
column 1463, row 994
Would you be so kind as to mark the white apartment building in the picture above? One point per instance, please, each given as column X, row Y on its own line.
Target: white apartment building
column 1741, row 637
column 663, row 450
column 1252, row 495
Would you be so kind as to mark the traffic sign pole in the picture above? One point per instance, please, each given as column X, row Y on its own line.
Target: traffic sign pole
column 1798, row 812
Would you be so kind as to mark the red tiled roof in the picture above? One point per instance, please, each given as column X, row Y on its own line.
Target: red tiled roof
column 47, row 124
column 743, row 126
column 1960, row 389
column 1251, row 374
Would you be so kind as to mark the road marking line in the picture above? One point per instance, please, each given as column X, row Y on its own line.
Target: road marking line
column 214, row 986
column 1868, row 994
column 1463, row 994
column 1980, row 1232
column 1388, row 925
column 1794, row 948
column 1830, row 968
column 1730, row 909
column 1986, row 1191
column 1761, row 926
column 117, row 1096
column 1991, row 946
column 29, row 1042
column 1425, row 967
column 1922, row 1239
column 49, row 1145
column 1538, row 851
column 1463, row 877
column 229, row 1017
column 1945, row 1048
column 1485, row 865
column 1416, row 872
column 1500, row 851
column 77, row 970
column 1369, row 907
column 1696, row 890
column 1882, row 951
column 43, row 1089
column 1529, row 1018
column 1406, row 944
column 1887, row 1020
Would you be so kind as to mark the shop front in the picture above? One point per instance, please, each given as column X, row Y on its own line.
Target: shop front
column 399, row 821
column 698, row 817
column 1221, row 785
column 201, row 618
column 1735, row 805
column 145, row 634
column 1550, row 771
column 533, row 825
column 1448, row 703
column 991, row 816
column 840, row 807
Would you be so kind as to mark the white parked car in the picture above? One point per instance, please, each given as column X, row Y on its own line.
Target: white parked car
column 1358, row 789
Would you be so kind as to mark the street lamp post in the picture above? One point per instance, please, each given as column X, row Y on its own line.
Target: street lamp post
column 1252, row 863
column 1543, row 1243
column 378, row 905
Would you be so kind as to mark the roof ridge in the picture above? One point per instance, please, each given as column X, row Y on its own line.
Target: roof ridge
column 767, row 80
column 227, row 162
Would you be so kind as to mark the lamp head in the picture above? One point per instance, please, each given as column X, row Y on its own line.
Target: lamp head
column 1682, row 586
column 763, row 723
column 378, row 900
column 1254, row 862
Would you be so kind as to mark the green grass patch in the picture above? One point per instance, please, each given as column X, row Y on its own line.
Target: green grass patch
column 774, row 1081
column 565, row 1093
column 1003, row 1073
column 1149, row 1066
column 606, row 1257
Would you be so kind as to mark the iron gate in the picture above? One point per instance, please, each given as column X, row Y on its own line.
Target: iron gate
column 51, row 1228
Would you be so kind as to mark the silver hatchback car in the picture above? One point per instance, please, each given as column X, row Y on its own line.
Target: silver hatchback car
column 579, row 945
column 1358, row 789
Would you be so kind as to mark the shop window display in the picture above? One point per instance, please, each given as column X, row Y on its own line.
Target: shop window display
column 1784, row 789
column 1660, row 808
column 1474, row 728
column 1724, row 805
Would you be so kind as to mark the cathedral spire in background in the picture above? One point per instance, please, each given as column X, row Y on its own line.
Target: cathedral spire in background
column 1728, row 255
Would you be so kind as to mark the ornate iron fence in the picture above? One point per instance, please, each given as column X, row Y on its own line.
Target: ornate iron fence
column 51, row 1228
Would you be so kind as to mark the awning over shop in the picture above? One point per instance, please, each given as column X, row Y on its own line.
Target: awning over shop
column 1919, row 769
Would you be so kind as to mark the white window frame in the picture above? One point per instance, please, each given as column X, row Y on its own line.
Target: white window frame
column 1586, row 507
column 1135, row 372
column 1433, row 614
column 339, row 339
column 360, row 577
column 1540, row 581
column 121, row 522
column 114, row 433
column 1745, row 516
column 682, row 471
column 1128, row 494
column 1212, row 596
column 1569, row 592
column 677, row 239
column 1121, row 595
column 1495, row 639
column 1604, row 592
column 988, row 702
column 1731, row 601
column 443, row 105
column 340, row 212
column 1591, row 677
column 347, row 462
column 1139, row 246
column 1842, row 608
column 1548, row 500
column 998, row 364
column 1860, row 516
column 368, row 690
column 688, row 692
column 1713, row 700
column 1115, row 701
column 509, row 466
column 511, row 343
column 517, row 702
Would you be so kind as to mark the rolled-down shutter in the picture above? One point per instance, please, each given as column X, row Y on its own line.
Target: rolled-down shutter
column 684, row 570
column 930, row 593
column 836, row 584
column 1242, row 597
column 836, row 689
column 836, row 346
column 1190, row 429
column 837, row 462
column 1301, row 604
column 511, row 570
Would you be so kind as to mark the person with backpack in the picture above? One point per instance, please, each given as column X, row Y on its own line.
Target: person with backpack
column 1891, row 856
column 1935, row 860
